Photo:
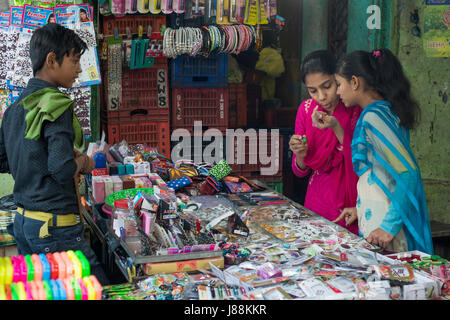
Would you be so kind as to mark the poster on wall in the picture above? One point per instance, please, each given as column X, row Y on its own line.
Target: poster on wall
column 436, row 36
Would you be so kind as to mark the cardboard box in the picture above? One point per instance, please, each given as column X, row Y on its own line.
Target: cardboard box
column 182, row 266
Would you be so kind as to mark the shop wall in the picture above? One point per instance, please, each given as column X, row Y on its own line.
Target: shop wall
column 430, row 80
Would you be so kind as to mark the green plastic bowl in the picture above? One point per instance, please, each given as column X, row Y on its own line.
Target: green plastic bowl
column 123, row 194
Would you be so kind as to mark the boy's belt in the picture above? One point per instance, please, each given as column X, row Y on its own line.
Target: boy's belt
column 62, row 220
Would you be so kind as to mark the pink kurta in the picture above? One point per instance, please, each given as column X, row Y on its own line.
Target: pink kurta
column 332, row 185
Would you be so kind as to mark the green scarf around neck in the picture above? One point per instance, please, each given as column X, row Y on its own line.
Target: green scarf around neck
column 49, row 104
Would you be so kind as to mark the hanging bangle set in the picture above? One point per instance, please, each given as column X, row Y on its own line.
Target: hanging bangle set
column 208, row 40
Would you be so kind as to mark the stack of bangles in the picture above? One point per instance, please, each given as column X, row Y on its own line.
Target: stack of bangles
column 231, row 39
column 51, row 276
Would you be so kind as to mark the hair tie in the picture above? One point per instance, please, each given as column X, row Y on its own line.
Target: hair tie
column 376, row 53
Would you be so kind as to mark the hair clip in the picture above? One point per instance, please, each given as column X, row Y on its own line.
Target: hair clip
column 23, row 268
column 14, row 291
column 76, row 289
column 32, row 288
column 376, row 53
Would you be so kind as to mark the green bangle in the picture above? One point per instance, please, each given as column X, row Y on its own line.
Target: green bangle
column 30, row 268
column 14, row 291
column 76, row 289
column 85, row 266
column 48, row 290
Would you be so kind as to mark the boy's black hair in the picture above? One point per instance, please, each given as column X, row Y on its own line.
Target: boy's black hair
column 320, row 61
column 383, row 72
column 54, row 38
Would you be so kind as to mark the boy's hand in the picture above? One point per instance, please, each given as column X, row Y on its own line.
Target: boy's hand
column 85, row 164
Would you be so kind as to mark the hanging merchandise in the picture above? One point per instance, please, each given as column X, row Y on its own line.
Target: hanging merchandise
column 155, row 6
column 104, row 7
column 167, row 6
column 255, row 13
column 179, row 6
column 130, row 6
column 117, row 7
column 143, row 6
column 114, row 79
column 207, row 40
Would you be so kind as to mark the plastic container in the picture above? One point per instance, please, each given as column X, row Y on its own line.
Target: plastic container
column 124, row 221
column 208, row 105
column 153, row 133
column 145, row 94
column 198, row 71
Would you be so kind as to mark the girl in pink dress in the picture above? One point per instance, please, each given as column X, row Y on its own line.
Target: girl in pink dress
column 322, row 142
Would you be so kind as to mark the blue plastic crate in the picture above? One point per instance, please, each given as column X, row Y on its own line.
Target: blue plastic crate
column 198, row 71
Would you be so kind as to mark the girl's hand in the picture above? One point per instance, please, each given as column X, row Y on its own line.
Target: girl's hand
column 322, row 120
column 380, row 238
column 299, row 146
column 349, row 214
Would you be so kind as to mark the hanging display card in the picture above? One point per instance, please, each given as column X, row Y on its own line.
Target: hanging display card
column 436, row 33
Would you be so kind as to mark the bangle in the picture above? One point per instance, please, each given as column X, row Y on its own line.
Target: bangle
column 61, row 265
column 37, row 267
column 85, row 266
column 8, row 270
column 62, row 289
column 46, row 271
column 68, row 264
column 90, row 288
column 30, row 268
column 97, row 286
column 69, row 289
column 84, row 292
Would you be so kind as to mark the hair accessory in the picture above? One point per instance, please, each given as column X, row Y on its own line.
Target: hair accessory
column 62, row 289
column 8, row 270
column 376, row 53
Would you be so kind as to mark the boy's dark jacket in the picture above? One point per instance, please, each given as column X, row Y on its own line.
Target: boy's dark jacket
column 43, row 168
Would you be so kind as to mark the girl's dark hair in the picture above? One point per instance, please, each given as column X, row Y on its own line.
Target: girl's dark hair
column 383, row 72
column 53, row 38
column 318, row 61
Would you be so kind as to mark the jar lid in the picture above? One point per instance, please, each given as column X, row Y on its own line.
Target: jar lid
column 121, row 203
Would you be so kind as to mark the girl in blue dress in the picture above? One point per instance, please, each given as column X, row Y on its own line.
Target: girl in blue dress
column 391, row 206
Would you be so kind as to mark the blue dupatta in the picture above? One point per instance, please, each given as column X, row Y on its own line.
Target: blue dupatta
column 380, row 144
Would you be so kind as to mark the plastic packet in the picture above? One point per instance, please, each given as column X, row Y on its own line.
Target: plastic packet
column 398, row 274
column 276, row 293
column 269, row 270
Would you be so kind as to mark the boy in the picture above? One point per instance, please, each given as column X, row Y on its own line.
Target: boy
column 37, row 140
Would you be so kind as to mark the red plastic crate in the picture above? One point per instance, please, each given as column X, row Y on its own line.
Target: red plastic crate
column 208, row 105
column 237, row 105
column 133, row 22
column 153, row 133
column 144, row 92
column 251, row 151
